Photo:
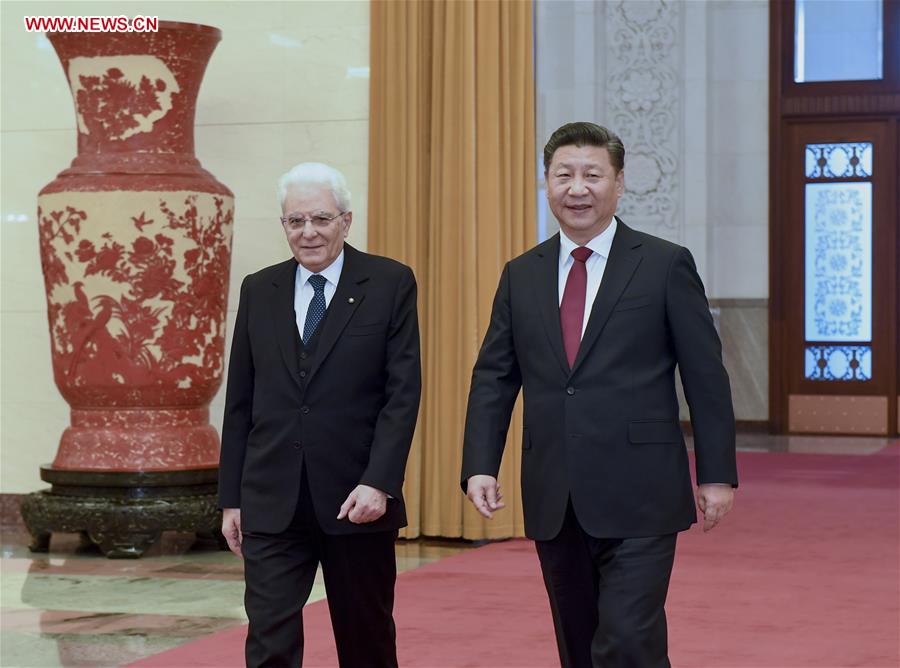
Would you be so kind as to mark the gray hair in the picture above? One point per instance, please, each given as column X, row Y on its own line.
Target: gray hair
column 316, row 174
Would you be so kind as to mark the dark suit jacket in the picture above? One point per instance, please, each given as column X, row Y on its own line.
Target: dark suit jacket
column 349, row 420
column 606, row 432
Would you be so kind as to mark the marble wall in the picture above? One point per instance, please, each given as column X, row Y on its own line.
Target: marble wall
column 288, row 83
column 738, row 157
column 685, row 84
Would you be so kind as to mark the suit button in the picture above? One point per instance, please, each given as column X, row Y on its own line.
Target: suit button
column 303, row 355
column 570, row 391
column 298, row 445
column 304, row 410
column 303, row 374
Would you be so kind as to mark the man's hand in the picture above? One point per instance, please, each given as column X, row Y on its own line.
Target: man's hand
column 715, row 500
column 484, row 493
column 365, row 504
column 231, row 529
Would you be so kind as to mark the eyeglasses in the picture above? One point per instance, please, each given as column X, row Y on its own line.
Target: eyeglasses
column 319, row 221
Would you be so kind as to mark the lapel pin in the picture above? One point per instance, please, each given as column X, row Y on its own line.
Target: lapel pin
column 350, row 300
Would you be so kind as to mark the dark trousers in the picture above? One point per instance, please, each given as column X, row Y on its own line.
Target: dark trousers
column 359, row 571
column 607, row 596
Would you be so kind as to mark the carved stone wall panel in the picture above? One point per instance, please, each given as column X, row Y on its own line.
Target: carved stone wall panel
column 643, row 102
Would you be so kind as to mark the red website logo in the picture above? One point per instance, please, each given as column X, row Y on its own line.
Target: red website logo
column 91, row 24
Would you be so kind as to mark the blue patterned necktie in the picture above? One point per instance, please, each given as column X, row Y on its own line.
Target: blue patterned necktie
column 316, row 310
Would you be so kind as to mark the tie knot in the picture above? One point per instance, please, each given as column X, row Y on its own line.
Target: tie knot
column 318, row 282
column 582, row 253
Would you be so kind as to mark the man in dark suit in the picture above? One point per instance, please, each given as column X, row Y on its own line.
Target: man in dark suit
column 323, row 392
column 591, row 325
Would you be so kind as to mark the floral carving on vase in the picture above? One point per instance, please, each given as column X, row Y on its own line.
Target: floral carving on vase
column 135, row 242
column 97, row 84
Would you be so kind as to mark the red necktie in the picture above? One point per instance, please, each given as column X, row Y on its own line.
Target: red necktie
column 571, row 310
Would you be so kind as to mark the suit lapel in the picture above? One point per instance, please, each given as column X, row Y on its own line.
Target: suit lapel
column 285, row 320
column 624, row 258
column 349, row 295
column 547, row 293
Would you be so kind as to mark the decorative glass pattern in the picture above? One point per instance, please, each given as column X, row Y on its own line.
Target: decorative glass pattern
column 838, row 281
column 838, row 362
column 836, row 161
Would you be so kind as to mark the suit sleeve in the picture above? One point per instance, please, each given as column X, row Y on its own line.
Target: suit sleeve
column 238, row 418
column 396, row 421
column 496, row 380
column 698, row 352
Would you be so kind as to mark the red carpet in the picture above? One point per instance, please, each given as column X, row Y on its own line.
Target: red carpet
column 805, row 572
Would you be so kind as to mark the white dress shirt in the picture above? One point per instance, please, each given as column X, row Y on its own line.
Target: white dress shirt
column 303, row 291
column 595, row 265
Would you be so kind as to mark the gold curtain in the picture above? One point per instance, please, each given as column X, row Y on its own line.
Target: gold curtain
column 452, row 179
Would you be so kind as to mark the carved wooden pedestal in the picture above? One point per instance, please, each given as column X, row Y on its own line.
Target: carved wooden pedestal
column 122, row 513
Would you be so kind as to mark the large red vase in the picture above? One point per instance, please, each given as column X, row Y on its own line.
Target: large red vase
column 135, row 242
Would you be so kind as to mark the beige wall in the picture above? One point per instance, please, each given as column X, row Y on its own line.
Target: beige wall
column 288, row 83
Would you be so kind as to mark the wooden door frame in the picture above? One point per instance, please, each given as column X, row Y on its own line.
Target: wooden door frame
column 790, row 105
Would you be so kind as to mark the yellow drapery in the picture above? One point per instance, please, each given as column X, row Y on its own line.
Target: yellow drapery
column 452, row 188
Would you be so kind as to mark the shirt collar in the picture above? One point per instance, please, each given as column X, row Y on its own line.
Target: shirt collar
column 601, row 244
column 332, row 272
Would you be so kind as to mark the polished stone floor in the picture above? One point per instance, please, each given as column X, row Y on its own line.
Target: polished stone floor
column 72, row 607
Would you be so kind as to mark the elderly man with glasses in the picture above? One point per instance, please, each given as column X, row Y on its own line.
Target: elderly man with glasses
column 323, row 390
